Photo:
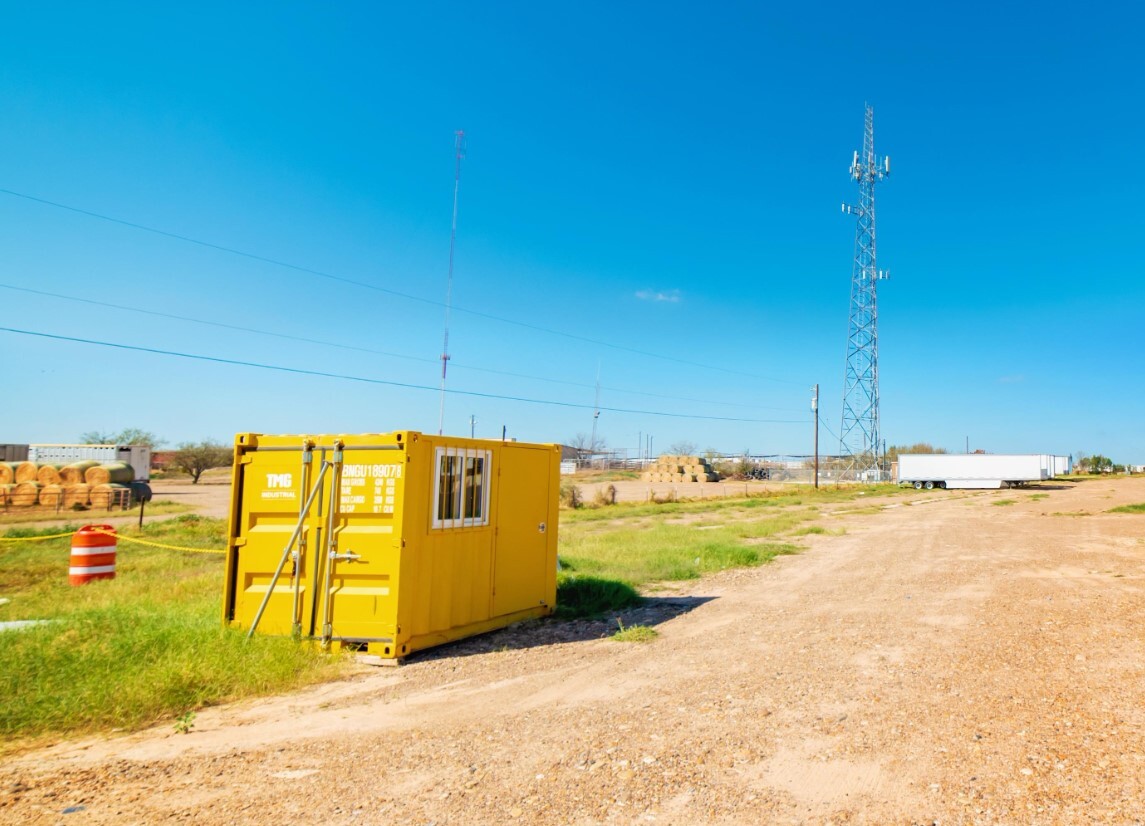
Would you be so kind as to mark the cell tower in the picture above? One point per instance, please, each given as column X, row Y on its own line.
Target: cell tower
column 859, row 437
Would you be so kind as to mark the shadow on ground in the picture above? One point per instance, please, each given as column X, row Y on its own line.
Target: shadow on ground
column 651, row 611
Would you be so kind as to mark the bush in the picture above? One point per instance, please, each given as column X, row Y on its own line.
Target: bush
column 606, row 496
column 571, row 496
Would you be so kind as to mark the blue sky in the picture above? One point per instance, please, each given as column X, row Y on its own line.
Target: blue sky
column 648, row 189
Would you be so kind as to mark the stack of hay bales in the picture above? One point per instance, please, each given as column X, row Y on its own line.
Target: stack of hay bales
column 7, row 481
column 680, row 469
column 23, row 484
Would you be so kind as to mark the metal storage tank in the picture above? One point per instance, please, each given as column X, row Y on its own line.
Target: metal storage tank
column 391, row 542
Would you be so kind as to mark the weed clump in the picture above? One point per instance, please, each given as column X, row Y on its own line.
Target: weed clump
column 571, row 497
column 634, row 633
column 605, row 496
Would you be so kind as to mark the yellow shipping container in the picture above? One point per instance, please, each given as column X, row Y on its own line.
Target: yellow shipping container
column 390, row 542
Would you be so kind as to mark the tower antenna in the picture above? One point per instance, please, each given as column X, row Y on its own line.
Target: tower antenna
column 595, row 411
column 459, row 146
column 859, row 439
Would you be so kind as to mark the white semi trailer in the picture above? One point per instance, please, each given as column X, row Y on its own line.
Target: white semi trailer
column 972, row 470
column 138, row 456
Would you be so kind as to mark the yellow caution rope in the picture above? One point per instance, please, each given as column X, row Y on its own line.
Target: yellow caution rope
column 159, row 544
column 118, row 536
column 33, row 538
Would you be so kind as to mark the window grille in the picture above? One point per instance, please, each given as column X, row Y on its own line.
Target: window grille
column 461, row 488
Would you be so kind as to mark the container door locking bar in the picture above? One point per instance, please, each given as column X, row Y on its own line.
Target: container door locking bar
column 332, row 554
column 290, row 545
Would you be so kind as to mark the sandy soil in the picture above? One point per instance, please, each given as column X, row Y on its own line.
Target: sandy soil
column 945, row 660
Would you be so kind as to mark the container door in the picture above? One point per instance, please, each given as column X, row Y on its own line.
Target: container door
column 272, row 493
column 521, row 558
column 340, row 590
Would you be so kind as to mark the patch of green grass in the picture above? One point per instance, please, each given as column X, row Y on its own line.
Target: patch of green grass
column 588, row 477
column 146, row 646
column 22, row 516
column 754, row 501
column 585, row 596
column 1071, row 513
column 1002, row 502
column 810, row 529
column 639, row 555
column 1138, row 508
column 1035, row 497
column 634, row 633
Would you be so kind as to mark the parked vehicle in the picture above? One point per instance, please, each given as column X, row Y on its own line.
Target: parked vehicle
column 972, row 470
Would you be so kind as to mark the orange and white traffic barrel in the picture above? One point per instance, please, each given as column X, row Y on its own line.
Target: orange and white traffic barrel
column 93, row 554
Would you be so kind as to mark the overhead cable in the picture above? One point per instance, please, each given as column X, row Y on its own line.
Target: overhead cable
column 396, row 293
column 365, row 380
column 324, row 343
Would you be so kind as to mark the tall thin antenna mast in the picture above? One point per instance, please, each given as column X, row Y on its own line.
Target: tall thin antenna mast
column 595, row 411
column 460, row 152
column 859, row 439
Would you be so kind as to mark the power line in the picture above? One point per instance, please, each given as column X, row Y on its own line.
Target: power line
column 364, row 380
column 366, row 285
column 423, row 359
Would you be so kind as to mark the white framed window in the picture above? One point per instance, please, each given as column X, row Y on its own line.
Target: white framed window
column 461, row 487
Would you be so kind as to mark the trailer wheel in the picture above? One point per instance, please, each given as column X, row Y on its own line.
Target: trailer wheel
column 929, row 485
column 918, row 485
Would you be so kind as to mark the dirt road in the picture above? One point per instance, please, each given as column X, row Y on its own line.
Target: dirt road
column 949, row 659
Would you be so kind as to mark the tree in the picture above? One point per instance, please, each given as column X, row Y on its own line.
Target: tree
column 585, row 447
column 127, row 436
column 195, row 457
column 683, row 448
column 135, row 436
column 918, row 447
column 1095, row 464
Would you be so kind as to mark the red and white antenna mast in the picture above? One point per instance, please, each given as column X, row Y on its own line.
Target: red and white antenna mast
column 460, row 153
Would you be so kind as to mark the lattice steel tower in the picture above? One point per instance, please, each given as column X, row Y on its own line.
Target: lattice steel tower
column 859, row 437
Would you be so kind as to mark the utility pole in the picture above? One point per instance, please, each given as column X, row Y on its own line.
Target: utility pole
column 459, row 147
column 472, row 424
column 859, row 436
column 815, row 414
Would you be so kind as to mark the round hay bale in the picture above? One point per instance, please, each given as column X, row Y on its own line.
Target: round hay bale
column 51, row 495
column 77, row 495
column 73, row 474
column 110, row 495
column 48, row 474
column 26, row 472
column 111, row 473
column 8, row 472
column 25, row 494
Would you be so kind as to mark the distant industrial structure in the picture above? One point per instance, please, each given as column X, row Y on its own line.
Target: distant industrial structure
column 859, row 437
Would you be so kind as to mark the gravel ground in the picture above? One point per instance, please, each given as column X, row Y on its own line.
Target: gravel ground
column 946, row 659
